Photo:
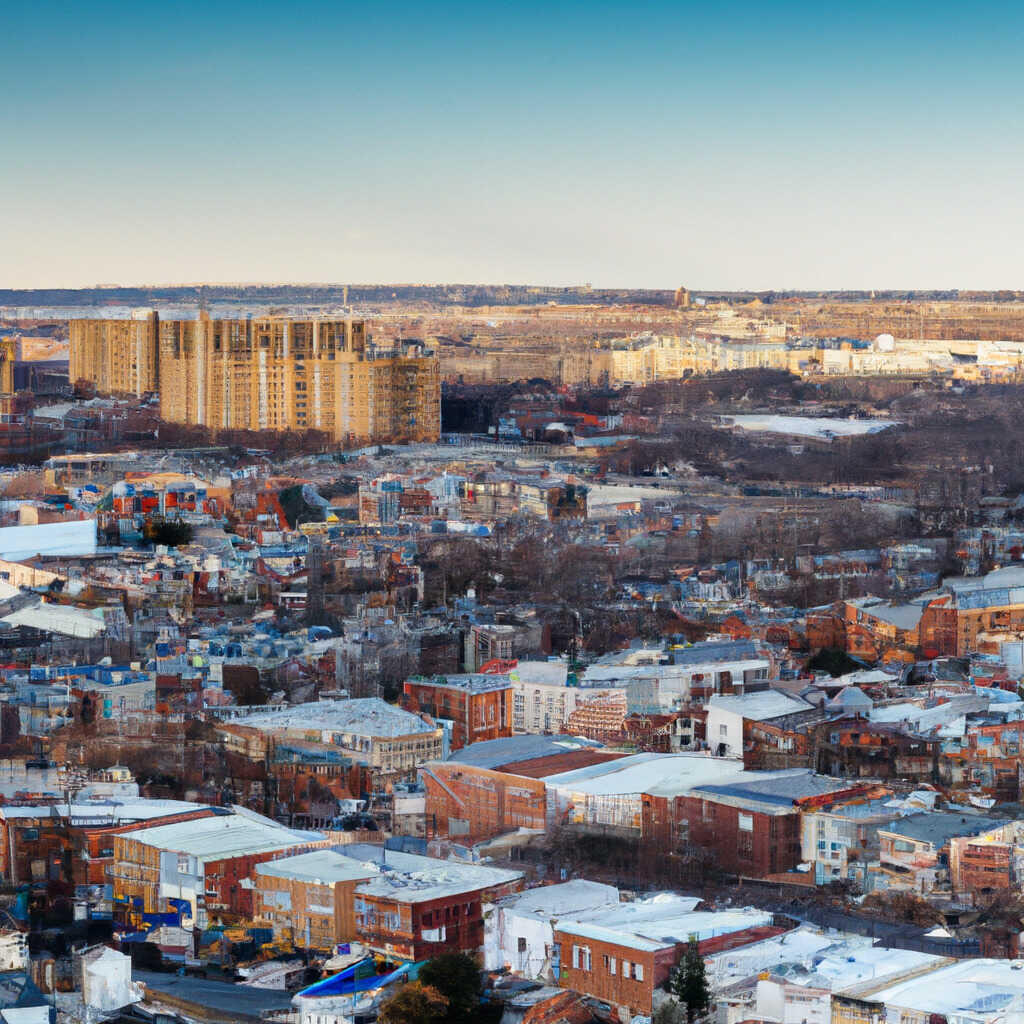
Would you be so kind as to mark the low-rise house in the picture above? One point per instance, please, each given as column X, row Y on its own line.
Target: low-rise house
column 914, row 851
column 391, row 742
column 731, row 721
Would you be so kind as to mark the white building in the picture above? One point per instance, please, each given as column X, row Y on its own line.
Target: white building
column 519, row 932
column 541, row 700
column 726, row 715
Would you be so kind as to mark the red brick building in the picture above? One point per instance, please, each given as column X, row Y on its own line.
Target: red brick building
column 499, row 786
column 478, row 706
column 750, row 828
column 420, row 907
column 626, row 966
column 623, row 971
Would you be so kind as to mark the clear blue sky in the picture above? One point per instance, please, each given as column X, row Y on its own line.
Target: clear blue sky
column 727, row 145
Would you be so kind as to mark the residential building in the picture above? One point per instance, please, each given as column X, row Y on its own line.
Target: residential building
column 268, row 373
column 519, row 932
column 391, row 742
column 308, row 899
column 419, row 907
column 731, row 719
column 202, row 867
column 478, row 707
column 541, row 699
column 116, row 356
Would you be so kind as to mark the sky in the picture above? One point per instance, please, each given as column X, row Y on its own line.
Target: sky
column 725, row 145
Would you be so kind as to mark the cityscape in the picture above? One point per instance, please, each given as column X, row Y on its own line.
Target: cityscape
column 511, row 514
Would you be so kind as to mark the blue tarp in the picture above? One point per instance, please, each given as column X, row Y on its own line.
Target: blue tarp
column 357, row 979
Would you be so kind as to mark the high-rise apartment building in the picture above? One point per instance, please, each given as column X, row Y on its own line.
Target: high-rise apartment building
column 277, row 373
column 116, row 356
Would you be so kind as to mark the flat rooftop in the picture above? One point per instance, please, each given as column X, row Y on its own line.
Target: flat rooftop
column 410, row 878
column 318, row 867
column 517, row 749
column 367, row 716
column 655, row 925
column 760, row 707
column 974, row 990
column 474, row 682
column 657, row 774
column 222, row 836
column 937, row 827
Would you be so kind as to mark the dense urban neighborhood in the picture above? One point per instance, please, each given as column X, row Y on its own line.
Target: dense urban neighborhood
column 341, row 684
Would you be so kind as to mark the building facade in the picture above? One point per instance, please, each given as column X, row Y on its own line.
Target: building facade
column 115, row 356
column 479, row 707
column 271, row 373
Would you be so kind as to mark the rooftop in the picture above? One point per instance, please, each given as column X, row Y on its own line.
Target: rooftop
column 319, row 867
column 495, row 753
column 972, row 990
column 470, row 683
column 367, row 716
column 223, row 836
column 410, row 878
column 760, row 707
column 937, row 827
column 659, row 774
column 661, row 921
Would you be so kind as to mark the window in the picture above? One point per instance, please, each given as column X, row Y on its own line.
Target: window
column 723, row 730
column 746, row 823
column 521, row 944
column 638, row 972
column 625, row 968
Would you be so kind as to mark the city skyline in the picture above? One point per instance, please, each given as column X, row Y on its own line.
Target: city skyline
column 742, row 147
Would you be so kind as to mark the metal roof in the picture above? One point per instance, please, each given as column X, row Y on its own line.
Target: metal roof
column 223, row 836
column 514, row 749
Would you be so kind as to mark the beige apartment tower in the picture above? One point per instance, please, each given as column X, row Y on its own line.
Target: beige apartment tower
column 285, row 373
column 116, row 356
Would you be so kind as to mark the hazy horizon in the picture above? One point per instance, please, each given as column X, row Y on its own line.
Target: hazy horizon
column 762, row 147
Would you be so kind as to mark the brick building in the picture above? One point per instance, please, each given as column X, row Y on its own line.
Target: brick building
column 496, row 787
column 479, row 707
column 420, row 907
column 624, row 955
column 751, row 827
column 309, row 899
column 206, row 863
column 620, row 969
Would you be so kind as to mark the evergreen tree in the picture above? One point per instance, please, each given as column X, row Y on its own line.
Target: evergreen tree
column 690, row 983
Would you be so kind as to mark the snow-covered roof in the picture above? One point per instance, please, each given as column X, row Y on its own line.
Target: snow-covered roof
column 760, row 707
column 660, row 774
column 973, row 990
column 320, row 867
column 367, row 716
column 222, row 836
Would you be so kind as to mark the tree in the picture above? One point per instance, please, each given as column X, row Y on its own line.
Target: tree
column 457, row 977
column 670, row 1012
column 414, row 1003
column 170, row 532
column 689, row 982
